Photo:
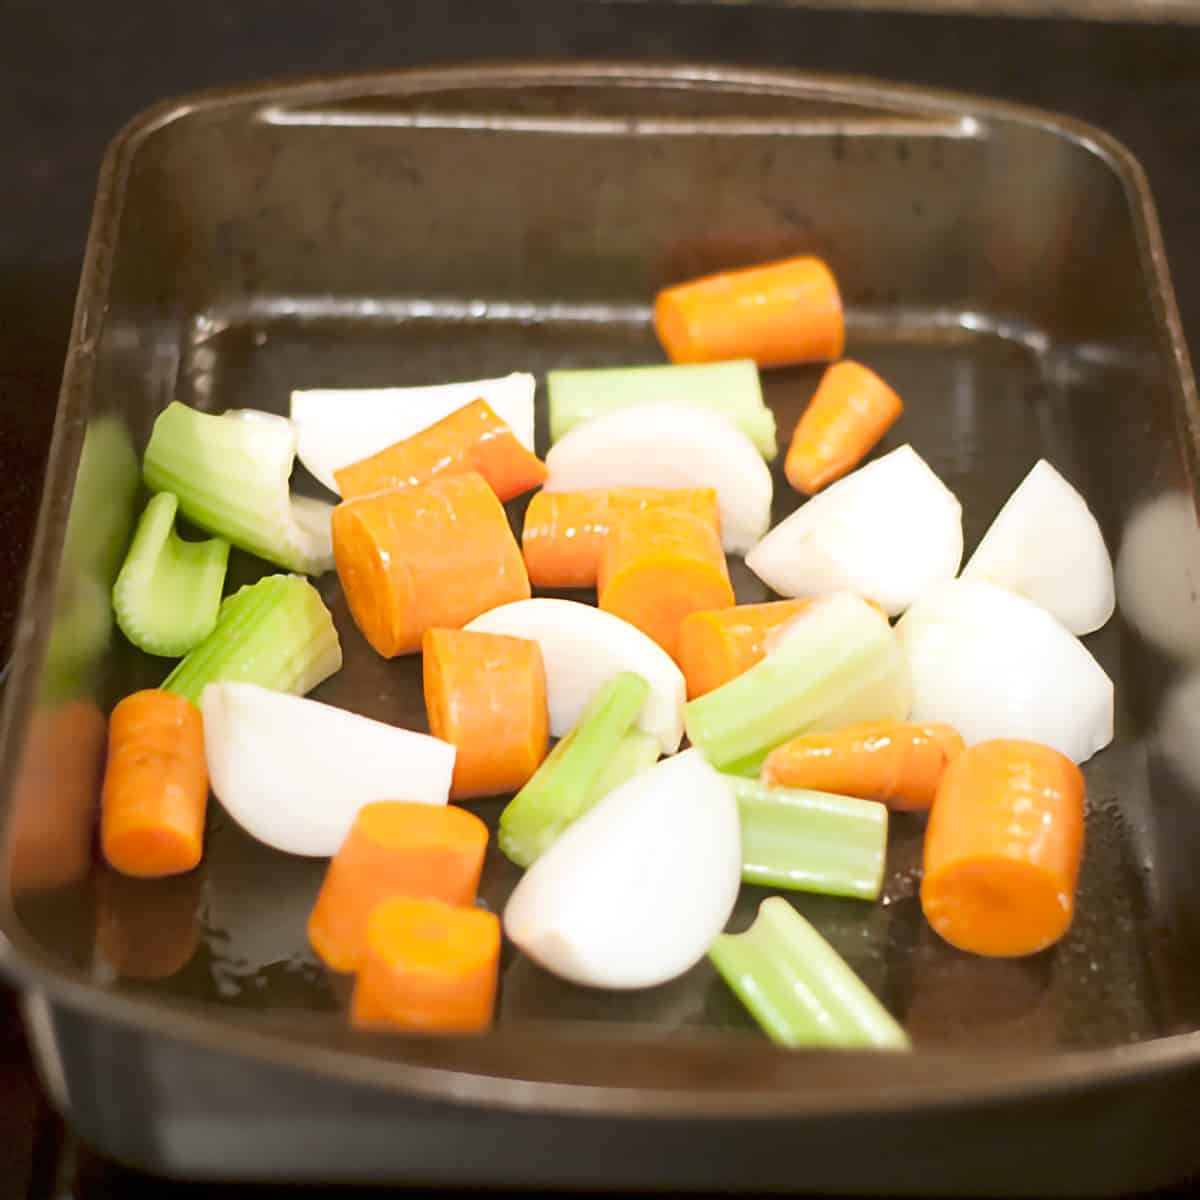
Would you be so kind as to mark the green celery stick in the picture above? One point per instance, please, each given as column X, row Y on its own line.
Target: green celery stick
column 564, row 786
column 838, row 664
column 169, row 591
column 276, row 633
column 634, row 754
column 729, row 388
column 230, row 474
column 811, row 841
column 798, row 988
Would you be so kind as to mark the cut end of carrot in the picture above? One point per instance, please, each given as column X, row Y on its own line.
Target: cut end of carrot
column 402, row 825
column 152, row 852
column 671, row 326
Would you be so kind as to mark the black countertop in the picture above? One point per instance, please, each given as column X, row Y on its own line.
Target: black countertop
column 73, row 73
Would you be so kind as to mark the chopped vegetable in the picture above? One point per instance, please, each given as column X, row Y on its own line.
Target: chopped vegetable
column 411, row 558
column 486, row 695
column 1045, row 545
column 428, row 967
column 230, row 474
column 566, row 783
column 995, row 665
column 837, row 663
column 276, row 632
column 798, row 988
column 730, row 389
column 471, row 438
column 339, row 426
column 659, row 565
column 294, row 773
column 648, row 446
column 776, row 313
column 851, row 410
column 1002, row 849
column 148, row 928
column 566, row 532
column 394, row 848
column 889, row 530
column 898, row 763
column 155, row 786
column 633, row 893
column 168, row 593
column 636, row 752
column 811, row 841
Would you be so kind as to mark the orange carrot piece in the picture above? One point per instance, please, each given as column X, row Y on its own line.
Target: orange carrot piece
column 155, row 786
column 148, row 928
column 428, row 967
column 471, row 438
column 850, row 411
column 1002, row 848
column 439, row 553
column 394, row 848
column 777, row 313
column 898, row 763
column 565, row 532
column 486, row 695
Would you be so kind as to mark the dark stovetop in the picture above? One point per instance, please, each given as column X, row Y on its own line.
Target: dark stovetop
column 73, row 72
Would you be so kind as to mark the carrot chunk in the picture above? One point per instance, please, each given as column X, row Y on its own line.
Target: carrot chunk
column 1002, row 848
column 155, row 789
column 777, row 313
column 471, row 438
column 486, row 695
column 428, row 967
column 850, row 411
column 439, row 553
column 394, row 848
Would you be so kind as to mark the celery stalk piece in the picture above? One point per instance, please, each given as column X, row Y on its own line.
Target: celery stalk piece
column 811, row 841
column 168, row 592
column 798, row 988
column 230, row 474
column 836, row 664
column 635, row 753
column 276, row 633
column 563, row 787
column 731, row 389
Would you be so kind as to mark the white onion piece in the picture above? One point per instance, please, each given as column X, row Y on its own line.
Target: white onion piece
column 1046, row 545
column 995, row 665
column 633, row 893
column 293, row 773
column 339, row 426
column 583, row 648
column 664, row 446
column 887, row 532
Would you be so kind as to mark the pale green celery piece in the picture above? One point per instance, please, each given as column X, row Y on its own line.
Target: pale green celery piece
column 838, row 664
column 731, row 389
column 563, row 787
column 276, row 633
column 811, row 841
column 798, row 988
column 168, row 593
column 635, row 753
column 230, row 474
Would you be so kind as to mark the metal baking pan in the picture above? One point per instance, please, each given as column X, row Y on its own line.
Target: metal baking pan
column 1003, row 267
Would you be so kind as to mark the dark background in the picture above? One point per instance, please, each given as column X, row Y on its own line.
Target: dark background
column 72, row 73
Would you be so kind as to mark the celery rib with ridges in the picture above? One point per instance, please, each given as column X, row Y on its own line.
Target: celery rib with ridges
column 635, row 752
column 731, row 389
column 810, row 841
column 276, row 633
column 564, row 786
column 798, row 988
column 168, row 592
column 230, row 474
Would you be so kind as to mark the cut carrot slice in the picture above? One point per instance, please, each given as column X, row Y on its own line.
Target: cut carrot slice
column 438, row 553
column 394, row 848
column 486, row 695
column 155, row 786
column 471, row 438
column 778, row 313
column 428, row 967
column 1002, row 848
column 850, row 411
column 659, row 565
